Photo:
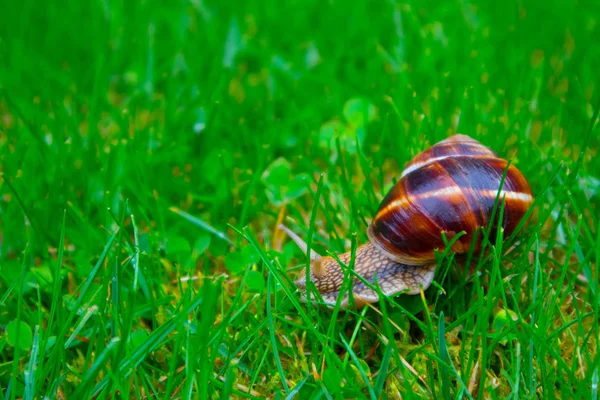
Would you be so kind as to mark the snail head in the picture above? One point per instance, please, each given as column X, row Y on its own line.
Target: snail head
column 371, row 264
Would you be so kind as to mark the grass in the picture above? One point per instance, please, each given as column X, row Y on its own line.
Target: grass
column 149, row 149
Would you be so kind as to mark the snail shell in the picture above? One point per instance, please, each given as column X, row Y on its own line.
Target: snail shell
column 447, row 189
column 450, row 188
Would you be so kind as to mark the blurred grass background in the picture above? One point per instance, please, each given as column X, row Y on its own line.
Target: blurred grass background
column 136, row 137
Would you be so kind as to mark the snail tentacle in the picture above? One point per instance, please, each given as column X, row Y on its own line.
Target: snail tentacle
column 315, row 258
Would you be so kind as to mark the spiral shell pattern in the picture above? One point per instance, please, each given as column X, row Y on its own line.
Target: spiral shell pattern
column 449, row 188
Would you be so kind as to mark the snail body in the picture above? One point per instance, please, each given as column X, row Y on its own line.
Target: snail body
column 447, row 189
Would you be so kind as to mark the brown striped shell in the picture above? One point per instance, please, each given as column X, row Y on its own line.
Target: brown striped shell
column 448, row 188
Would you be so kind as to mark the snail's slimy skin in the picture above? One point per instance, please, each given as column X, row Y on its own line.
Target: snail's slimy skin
column 374, row 267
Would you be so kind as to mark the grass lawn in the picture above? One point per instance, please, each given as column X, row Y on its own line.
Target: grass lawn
column 149, row 149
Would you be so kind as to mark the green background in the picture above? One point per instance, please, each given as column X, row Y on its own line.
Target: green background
column 138, row 138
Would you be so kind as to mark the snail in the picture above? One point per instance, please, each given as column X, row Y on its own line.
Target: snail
column 448, row 189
